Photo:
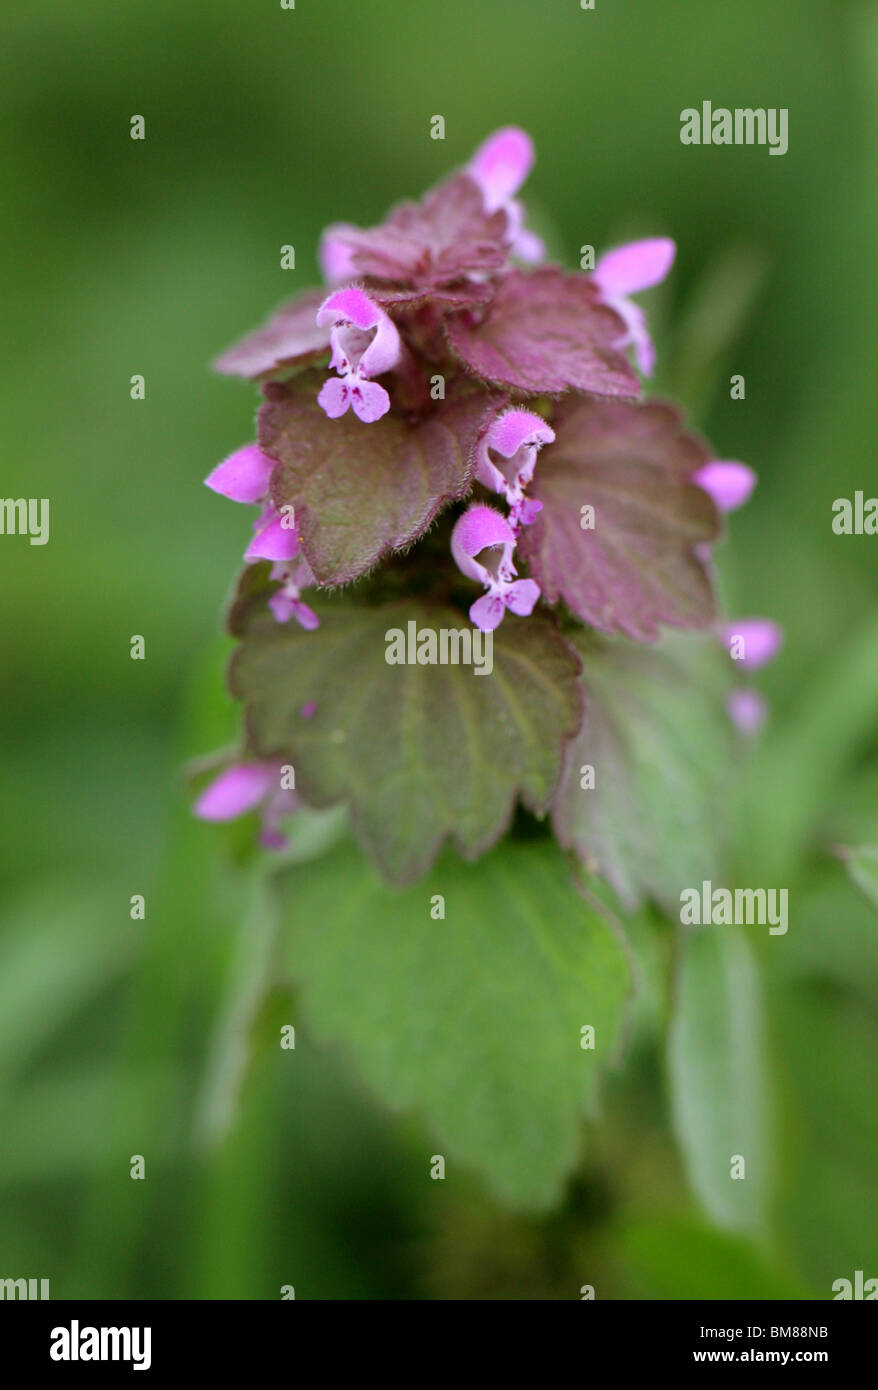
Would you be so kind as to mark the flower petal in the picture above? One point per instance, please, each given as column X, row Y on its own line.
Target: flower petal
column 728, row 483
column 516, row 427
column 517, row 436
column 501, row 164
column 369, row 400
column 351, row 304
column 527, row 511
column 335, row 256
column 305, row 616
column 334, row 397
column 274, row 540
column 636, row 266
column 752, row 642
column 244, row 476
column 521, row 596
column 747, row 710
column 479, row 528
column 487, row 612
column 238, row 789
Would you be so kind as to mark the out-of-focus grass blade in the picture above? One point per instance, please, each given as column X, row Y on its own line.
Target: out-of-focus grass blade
column 791, row 781
column 61, row 948
column 717, row 1075
column 87, row 1121
column 717, row 311
column 862, row 865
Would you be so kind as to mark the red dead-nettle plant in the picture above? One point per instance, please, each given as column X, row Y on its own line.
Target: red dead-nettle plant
column 412, row 398
column 452, row 437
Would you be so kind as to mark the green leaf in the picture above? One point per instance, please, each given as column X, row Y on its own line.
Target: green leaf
column 717, row 1075
column 659, row 741
column 422, row 753
column 862, row 865
column 676, row 1258
column 474, row 1020
column 639, row 564
column 360, row 491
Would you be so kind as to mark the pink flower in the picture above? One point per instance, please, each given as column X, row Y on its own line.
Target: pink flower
column 244, row 476
column 747, row 710
column 275, row 536
column 286, row 602
column 728, row 483
column 625, row 271
column 365, row 343
column 752, row 642
column 482, row 544
column 244, row 787
column 517, row 437
column 336, row 259
column 500, row 166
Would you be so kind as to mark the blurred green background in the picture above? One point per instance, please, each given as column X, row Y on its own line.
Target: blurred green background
column 121, row 1037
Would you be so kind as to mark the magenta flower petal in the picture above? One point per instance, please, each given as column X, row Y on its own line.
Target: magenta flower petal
column 529, row 247
column 483, row 532
column 241, row 787
column 520, row 596
column 365, row 343
column 637, row 266
column 353, row 306
column 334, row 396
column 514, row 428
column 286, row 602
column 285, row 605
column 753, row 642
column 728, row 483
column 335, row 258
column 305, row 616
column 638, row 334
column 528, row 510
column 501, row 164
column 244, row 476
column 625, row 271
column 517, row 436
column 369, row 400
column 487, row 612
column 523, row 243
column 274, row 540
column 747, row 710
column 480, row 528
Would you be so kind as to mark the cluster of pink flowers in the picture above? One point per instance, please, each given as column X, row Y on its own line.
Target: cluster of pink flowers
column 442, row 282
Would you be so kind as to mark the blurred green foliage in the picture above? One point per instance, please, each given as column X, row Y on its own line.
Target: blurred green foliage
column 121, row 1037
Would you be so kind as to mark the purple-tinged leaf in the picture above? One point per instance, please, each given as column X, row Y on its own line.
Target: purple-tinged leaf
column 292, row 338
column 634, row 564
column 361, row 492
column 463, row 294
column 546, row 331
column 445, row 236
